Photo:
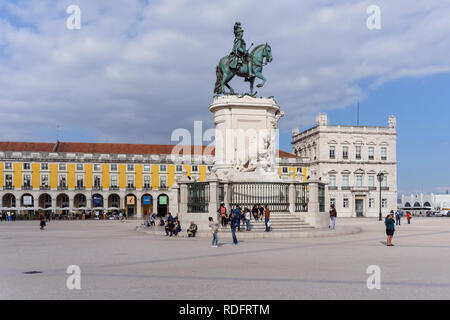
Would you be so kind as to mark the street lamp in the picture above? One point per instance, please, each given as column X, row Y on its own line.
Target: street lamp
column 380, row 177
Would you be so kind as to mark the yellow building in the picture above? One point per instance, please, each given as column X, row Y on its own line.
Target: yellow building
column 68, row 177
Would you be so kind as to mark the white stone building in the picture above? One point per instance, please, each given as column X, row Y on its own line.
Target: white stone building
column 420, row 204
column 349, row 159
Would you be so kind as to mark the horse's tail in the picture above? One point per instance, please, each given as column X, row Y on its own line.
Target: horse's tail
column 218, row 85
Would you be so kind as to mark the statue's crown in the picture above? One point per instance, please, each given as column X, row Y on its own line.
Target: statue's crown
column 237, row 27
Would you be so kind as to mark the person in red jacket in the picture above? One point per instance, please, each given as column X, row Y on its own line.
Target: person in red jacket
column 408, row 217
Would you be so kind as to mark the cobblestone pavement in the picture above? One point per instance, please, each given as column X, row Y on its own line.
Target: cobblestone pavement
column 119, row 263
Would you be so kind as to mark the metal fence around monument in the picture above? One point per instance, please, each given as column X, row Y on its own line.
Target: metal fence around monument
column 301, row 197
column 198, row 197
column 275, row 195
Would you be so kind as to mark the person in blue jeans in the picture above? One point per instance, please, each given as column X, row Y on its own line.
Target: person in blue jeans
column 215, row 229
column 233, row 223
column 237, row 213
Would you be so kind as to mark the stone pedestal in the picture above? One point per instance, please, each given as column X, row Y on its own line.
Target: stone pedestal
column 246, row 137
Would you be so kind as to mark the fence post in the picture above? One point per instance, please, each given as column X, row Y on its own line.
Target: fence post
column 292, row 197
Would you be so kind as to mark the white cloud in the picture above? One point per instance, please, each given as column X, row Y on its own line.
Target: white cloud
column 137, row 70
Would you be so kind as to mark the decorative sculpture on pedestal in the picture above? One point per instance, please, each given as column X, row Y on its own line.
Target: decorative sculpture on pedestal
column 242, row 63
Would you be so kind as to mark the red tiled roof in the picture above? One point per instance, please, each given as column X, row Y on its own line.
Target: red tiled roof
column 27, row 146
column 106, row 148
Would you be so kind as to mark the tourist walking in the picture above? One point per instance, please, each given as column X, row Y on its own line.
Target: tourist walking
column 9, row 216
column 247, row 219
column 215, row 230
column 267, row 218
column 333, row 215
column 233, row 224
column 397, row 217
column 223, row 214
column 237, row 213
column 390, row 228
column 42, row 220
column 408, row 217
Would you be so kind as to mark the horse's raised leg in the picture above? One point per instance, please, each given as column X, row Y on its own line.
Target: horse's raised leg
column 260, row 76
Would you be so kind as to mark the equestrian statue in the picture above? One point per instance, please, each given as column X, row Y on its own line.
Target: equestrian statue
column 242, row 63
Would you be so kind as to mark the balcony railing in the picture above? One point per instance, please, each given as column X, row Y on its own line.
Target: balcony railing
column 8, row 187
column 131, row 188
column 384, row 188
column 360, row 188
column 163, row 188
column 332, row 188
column 113, row 188
column 345, row 188
column 147, row 187
column 62, row 187
column 27, row 187
column 44, row 187
column 80, row 188
column 97, row 188
column 372, row 188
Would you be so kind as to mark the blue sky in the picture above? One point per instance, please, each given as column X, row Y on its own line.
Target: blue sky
column 137, row 70
column 422, row 108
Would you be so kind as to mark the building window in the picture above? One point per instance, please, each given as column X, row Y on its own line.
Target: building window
column 333, row 181
column 179, row 168
column 80, row 181
column 345, row 152
column 371, row 181
column 113, row 167
column 162, row 168
column 332, row 150
column 44, row 166
column 359, row 180
column 130, row 167
column 345, row 203
column 130, row 181
column 371, row 203
column 9, row 180
column 371, row 153
column 345, row 180
column 26, row 166
column 62, row 166
column 97, row 167
column 147, row 182
column 27, row 180
column 80, row 167
column 147, row 168
column 358, row 152
column 114, row 180
column 194, row 168
column 62, row 181
column 384, row 203
column 332, row 201
column 44, row 180
column 384, row 181
column 299, row 170
column 8, row 166
column 163, row 182
column 285, row 170
column 383, row 153
column 97, row 181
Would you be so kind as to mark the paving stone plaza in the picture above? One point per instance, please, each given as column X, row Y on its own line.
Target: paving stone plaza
column 117, row 262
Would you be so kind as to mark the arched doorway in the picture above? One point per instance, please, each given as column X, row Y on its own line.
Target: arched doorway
column 97, row 205
column 27, row 201
column 130, row 205
column 163, row 204
column 113, row 203
column 9, row 201
column 147, row 204
column 62, row 202
column 79, row 201
column 45, row 201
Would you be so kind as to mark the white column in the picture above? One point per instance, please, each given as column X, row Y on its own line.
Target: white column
column 138, row 208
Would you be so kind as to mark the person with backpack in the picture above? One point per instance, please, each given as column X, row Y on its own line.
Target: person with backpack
column 223, row 214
